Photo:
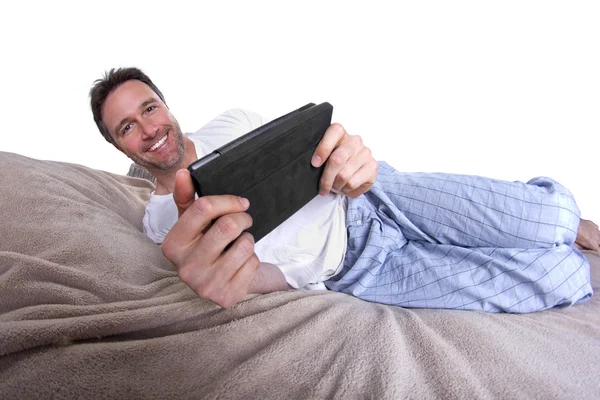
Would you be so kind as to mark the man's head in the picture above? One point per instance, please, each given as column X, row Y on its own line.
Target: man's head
column 131, row 113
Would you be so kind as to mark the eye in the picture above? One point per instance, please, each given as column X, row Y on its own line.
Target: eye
column 150, row 108
column 126, row 129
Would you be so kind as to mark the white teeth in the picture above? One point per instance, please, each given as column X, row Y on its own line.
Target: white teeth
column 158, row 144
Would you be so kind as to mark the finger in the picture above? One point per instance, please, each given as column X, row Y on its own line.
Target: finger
column 362, row 181
column 333, row 136
column 338, row 160
column 239, row 285
column 346, row 173
column 223, row 231
column 191, row 225
column 334, row 165
column 357, row 192
column 357, row 171
column 212, row 280
column 183, row 193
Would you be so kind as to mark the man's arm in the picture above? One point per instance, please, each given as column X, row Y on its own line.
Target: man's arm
column 196, row 243
column 196, row 246
column 268, row 279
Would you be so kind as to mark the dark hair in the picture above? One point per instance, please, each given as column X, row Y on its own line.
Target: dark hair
column 104, row 86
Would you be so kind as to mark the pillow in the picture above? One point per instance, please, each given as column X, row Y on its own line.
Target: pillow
column 138, row 171
column 72, row 238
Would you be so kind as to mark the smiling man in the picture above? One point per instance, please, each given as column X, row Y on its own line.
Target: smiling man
column 131, row 113
column 144, row 129
column 413, row 240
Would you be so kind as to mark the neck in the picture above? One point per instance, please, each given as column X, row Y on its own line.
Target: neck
column 165, row 180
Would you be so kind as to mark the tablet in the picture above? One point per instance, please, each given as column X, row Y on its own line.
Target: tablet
column 270, row 166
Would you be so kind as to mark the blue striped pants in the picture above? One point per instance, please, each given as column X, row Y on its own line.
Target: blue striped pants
column 431, row 240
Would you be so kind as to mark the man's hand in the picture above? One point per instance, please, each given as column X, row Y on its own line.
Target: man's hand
column 350, row 168
column 588, row 236
column 196, row 244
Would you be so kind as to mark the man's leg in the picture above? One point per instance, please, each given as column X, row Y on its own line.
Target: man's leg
column 426, row 275
column 448, row 241
column 472, row 211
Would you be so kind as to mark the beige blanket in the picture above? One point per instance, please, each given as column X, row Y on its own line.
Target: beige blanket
column 89, row 308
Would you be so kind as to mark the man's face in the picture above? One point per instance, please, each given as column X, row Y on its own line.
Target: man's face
column 143, row 127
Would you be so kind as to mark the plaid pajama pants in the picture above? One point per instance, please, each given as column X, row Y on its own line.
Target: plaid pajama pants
column 431, row 240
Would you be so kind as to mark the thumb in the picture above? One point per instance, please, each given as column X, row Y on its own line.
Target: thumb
column 183, row 193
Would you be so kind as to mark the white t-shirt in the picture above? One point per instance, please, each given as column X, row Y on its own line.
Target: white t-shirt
column 308, row 247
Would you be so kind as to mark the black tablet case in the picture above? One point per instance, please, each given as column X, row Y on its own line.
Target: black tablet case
column 270, row 166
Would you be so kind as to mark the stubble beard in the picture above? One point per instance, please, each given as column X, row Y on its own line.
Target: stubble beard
column 175, row 157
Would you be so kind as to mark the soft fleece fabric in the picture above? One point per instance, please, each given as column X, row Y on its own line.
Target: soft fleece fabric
column 89, row 308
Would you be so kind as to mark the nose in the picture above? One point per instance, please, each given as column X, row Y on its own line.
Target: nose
column 149, row 129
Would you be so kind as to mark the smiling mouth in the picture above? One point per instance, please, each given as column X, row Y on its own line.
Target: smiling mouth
column 159, row 143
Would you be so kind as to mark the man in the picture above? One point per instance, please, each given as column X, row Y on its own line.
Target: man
column 131, row 114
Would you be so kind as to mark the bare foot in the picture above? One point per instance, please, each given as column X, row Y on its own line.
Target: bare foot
column 588, row 236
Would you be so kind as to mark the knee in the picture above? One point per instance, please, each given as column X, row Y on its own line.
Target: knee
column 559, row 208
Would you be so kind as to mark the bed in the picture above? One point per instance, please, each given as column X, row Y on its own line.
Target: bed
column 90, row 308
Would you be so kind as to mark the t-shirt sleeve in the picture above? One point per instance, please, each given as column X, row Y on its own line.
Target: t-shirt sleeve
column 224, row 128
column 159, row 217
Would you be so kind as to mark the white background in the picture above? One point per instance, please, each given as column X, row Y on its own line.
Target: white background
column 509, row 89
